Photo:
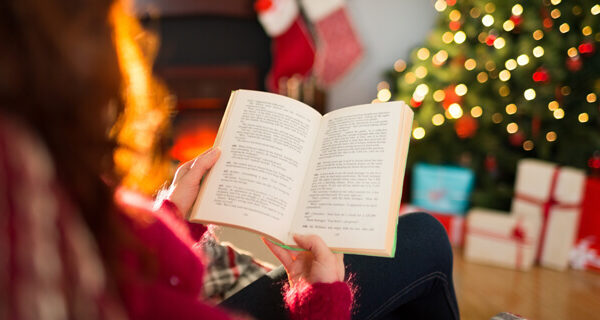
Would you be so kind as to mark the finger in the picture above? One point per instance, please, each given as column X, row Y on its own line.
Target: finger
column 280, row 253
column 314, row 244
column 202, row 163
column 341, row 269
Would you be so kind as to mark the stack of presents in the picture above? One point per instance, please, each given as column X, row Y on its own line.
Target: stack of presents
column 554, row 218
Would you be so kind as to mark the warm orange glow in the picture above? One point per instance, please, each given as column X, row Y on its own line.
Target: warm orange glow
column 189, row 145
column 146, row 106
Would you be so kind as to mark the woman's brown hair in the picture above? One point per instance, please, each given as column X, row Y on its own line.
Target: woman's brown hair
column 71, row 70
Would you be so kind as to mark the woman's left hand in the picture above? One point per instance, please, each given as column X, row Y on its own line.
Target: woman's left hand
column 317, row 264
column 186, row 184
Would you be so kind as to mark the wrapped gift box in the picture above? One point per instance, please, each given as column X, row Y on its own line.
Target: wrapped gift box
column 501, row 239
column 554, row 194
column 443, row 189
column 586, row 253
column 453, row 224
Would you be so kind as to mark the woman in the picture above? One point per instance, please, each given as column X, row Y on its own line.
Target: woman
column 75, row 247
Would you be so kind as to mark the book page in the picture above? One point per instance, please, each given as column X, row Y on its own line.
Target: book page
column 347, row 195
column 266, row 145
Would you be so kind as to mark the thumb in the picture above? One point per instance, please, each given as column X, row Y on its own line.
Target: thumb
column 201, row 164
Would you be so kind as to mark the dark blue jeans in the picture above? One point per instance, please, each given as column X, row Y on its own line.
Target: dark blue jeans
column 416, row 284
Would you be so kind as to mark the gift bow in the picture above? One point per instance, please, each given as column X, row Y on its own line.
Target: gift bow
column 546, row 205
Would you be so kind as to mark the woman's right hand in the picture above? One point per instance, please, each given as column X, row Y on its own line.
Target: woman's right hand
column 317, row 264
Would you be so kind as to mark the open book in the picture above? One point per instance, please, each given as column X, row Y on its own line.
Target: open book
column 286, row 169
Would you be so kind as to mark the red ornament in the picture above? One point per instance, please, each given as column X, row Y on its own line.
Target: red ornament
column 517, row 138
column 450, row 96
column 414, row 103
column 262, row 5
column 586, row 48
column 574, row 63
column 450, row 2
column 541, row 75
column 466, row 127
column 454, row 25
column 594, row 161
column 547, row 23
column 490, row 39
column 516, row 20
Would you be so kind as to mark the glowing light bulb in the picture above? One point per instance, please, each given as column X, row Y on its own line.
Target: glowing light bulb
column 418, row 133
column 564, row 28
column 400, row 65
column 555, row 14
column 470, row 64
column 499, row 43
column 586, row 31
column 511, row 108
column 383, row 85
column 482, row 77
column 538, row 51
column 421, row 72
column 504, row 91
column 583, row 117
column 528, row 145
column 508, row 25
column 529, row 94
column 591, row 98
column 511, row 64
column 487, row 20
column 455, row 110
column 559, row 113
column 460, row 37
column 595, row 9
column 438, row 119
column 523, row 59
column 512, row 128
column 439, row 95
column 440, row 5
column 553, row 105
column 384, row 95
column 476, row 111
column 504, row 75
column 572, row 52
column 447, row 37
column 551, row 136
column 461, row 89
column 410, row 77
column 454, row 15
column 517, row 10
column 423, row 53
column 538, row 34
column 555, row 2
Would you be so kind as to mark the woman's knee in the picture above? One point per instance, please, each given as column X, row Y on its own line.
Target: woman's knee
column 424, row 236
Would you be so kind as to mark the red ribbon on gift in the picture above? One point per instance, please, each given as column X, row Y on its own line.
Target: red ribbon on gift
column 518, row 234
column 546, row 206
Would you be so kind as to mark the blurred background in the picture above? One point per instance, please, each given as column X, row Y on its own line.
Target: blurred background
column 505, row 146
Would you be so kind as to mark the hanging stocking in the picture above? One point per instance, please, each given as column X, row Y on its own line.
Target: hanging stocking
column 292, row 48
column 338, row 46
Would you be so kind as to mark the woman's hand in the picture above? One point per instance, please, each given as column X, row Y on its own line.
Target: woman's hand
column 317, row 264
column 186, row 184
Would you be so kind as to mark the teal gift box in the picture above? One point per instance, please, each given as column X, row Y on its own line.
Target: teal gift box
column 442, row 188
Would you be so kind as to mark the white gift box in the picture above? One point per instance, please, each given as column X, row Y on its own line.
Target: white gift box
column 501, row 239
column 554, row 195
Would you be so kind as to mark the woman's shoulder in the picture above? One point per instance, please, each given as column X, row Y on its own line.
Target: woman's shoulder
column 23, row 153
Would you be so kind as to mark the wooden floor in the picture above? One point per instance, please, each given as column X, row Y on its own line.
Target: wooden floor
column 484, row 291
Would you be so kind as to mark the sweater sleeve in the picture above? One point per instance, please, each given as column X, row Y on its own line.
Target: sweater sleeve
column 318, row 301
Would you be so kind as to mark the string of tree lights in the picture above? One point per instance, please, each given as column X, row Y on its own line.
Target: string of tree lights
column 497, row 81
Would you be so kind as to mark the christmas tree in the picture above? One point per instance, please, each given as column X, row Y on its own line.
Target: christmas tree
column 497, row 81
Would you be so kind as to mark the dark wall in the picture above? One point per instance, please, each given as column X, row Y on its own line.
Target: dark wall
column 212, row 41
